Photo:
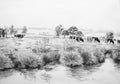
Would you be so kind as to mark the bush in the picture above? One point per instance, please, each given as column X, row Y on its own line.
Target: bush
column 5, row 62
column 72, row 59
column 50, row 57
column 116, row 56
column 88, row 58
column 99, row 56
column 26, row 60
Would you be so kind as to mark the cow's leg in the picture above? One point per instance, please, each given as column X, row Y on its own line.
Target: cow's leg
column 112, row 41
column 3, row 35
column 82, row 39
column 98, row 40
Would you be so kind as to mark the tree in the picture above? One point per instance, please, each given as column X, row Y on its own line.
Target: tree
column 65, row 33
column 24, row 30
column 58, row 30
column 11, row 29
column 72, row 30
column 109, row 35
column 79, row 34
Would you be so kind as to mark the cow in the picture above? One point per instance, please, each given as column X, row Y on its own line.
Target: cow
column 78, row 39
column 118, row 41
column 110, row 40
column 91, row 39
column 72, row 37
column 19, row 35
column 96, row 39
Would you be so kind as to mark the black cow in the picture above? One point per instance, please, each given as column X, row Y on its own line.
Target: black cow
column 118, row 41
column 78, row 39
column 72, row 37
column 19, row 35
column 96, row 39
column 110, row 41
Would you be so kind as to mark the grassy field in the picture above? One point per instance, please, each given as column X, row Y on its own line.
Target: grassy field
column 34, row 52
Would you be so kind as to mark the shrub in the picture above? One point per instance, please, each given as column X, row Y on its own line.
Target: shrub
column 88, row 58
column 99, row 56
column 27, row 60
column 5, row 62
column 116, row 56
column 71, row 59
column 50, row 57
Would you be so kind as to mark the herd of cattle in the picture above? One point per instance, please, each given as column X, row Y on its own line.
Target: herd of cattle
column 95, row 39
column 4, row 34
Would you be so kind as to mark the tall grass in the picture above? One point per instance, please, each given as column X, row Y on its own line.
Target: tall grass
column 69, row 45
column 40, row 46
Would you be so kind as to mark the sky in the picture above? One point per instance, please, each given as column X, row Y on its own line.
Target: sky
column 98, row 15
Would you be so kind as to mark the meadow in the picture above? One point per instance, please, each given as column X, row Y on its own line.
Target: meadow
column 40, row 52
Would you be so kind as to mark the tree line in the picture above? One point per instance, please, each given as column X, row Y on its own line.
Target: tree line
column 73, row 30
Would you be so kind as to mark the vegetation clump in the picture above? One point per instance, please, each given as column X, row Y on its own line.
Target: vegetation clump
column 72, row 59
column 99, row 55
column 52, row 57
column 88, row 58
column 5, row 62
column 116, row 56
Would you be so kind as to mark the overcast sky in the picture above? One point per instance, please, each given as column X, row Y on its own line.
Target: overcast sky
column 93, row 14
